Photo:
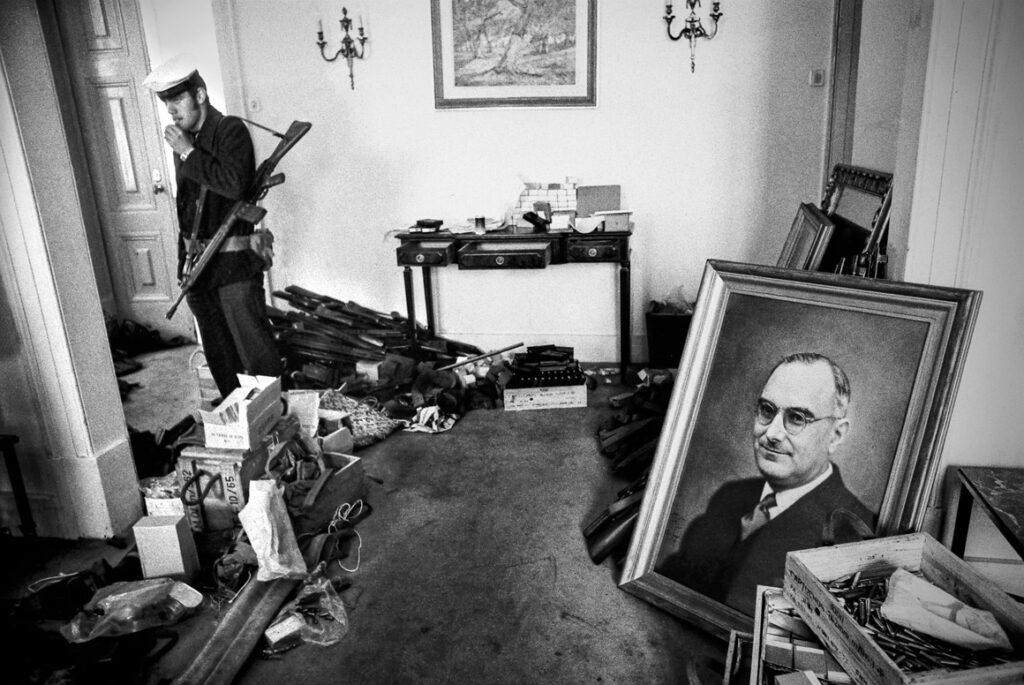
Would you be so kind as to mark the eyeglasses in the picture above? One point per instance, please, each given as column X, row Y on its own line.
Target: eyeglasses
column 793, row 420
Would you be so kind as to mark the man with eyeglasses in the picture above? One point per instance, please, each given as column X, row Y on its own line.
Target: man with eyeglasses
column 741, row 540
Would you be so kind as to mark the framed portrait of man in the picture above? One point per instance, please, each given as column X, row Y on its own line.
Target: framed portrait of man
column 809, row 408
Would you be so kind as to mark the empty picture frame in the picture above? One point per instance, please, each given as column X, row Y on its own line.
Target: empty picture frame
column 901, row 345
column 808, row 237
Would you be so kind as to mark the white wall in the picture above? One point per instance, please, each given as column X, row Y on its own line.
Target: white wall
column 713, row 164
column 884, row 30
column 965, row 226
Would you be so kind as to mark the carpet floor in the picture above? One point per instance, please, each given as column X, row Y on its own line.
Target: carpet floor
column 472, row 566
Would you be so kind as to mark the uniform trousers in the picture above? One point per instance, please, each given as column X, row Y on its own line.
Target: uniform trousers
column 237, row 335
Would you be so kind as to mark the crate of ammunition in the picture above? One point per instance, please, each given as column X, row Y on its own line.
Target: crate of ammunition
column 837, row 591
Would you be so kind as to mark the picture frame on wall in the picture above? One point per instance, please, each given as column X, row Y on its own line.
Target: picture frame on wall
column 901, row 348
column 530, row 53
column 807, row 239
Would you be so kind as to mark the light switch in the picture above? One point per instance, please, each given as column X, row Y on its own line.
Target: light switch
column 816, row 78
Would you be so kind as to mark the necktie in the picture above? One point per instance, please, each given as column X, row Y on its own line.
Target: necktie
column 758, row 517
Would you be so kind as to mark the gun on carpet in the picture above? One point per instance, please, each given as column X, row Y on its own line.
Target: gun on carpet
column 244, row 209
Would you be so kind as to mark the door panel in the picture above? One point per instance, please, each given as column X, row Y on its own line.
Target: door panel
column 107, row 62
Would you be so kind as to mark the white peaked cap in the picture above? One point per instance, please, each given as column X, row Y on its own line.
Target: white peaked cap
column 174, row 74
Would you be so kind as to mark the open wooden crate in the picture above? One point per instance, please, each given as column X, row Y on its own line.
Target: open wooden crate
column 808, row 571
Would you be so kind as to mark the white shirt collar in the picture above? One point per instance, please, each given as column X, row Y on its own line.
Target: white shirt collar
column 784, row 499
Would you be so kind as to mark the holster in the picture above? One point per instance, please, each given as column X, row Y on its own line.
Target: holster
column 262, row 243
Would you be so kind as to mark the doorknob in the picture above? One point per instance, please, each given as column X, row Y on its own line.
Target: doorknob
column 158, row 182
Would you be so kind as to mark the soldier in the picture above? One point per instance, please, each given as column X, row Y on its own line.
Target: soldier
column 214, row 164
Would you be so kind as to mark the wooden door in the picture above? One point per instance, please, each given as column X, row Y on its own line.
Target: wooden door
column 105, row 49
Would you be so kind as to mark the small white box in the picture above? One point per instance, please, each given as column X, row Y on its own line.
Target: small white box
column 546, row 397
column 232, row 424
column 615, row 220
column 242, row 435
column 166, row 547
column 164, row 506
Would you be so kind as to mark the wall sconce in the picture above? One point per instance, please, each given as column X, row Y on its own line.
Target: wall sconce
column 348, row 48
column 693, row 29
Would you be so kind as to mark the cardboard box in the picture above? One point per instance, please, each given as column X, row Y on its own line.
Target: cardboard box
column 166, row 547
column 242, row 435
column 616, row 220
column 344, row 483
column 784, row 642
column 807, row 571
column 245, row 415
column 546, row 397
column 164, row 506
column 222, row 477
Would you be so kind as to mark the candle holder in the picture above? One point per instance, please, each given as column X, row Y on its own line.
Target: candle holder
column 693, row 28
column 348, row 48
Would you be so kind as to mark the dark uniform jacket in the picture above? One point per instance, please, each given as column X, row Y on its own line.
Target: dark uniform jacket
column 223, row 160
column 713, row 561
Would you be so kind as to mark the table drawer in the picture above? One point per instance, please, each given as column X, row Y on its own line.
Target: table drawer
column 591, row 250
column 426, row 253
column 494, row 255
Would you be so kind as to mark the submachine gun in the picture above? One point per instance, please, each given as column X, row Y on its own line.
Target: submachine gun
column 245, row 209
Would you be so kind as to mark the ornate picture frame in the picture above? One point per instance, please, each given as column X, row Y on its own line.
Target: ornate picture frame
column 529, row 53
column 903, row 348
column 808, row 237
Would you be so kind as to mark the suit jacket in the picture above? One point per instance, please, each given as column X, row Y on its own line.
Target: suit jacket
column 713, row 561
column 223, row 160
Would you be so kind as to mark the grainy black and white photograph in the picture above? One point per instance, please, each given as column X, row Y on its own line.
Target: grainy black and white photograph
column 511, row 341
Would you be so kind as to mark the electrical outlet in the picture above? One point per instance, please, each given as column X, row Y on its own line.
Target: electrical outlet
column 816, row 78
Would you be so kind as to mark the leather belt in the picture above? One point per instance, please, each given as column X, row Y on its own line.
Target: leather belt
column 235, row 243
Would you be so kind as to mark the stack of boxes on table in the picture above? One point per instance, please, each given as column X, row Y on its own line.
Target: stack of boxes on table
column 256, row 432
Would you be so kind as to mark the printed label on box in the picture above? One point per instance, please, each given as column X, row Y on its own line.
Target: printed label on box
column 546, row 397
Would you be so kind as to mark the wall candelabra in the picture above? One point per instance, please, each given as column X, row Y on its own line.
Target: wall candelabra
column 348, row 48
column 693, row 28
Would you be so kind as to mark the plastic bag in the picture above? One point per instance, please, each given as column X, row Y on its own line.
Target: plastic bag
column 318, row 611
column 130, row 606
column 265, row 521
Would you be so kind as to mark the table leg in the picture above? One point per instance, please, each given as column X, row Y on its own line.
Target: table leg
column 962, row 522
column 28, row 525
column 428, row 297
column 410, row 303
column 624, row 320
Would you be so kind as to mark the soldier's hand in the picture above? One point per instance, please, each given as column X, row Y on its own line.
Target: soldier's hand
column 177, row 139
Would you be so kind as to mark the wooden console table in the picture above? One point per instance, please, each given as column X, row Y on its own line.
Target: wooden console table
column 508, row 249
column 1000, row 492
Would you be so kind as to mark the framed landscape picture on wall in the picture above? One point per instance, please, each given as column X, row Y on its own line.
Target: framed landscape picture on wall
column 514, row 53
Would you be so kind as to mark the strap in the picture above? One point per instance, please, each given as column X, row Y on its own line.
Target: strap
column 236, row 243
column 192, row 247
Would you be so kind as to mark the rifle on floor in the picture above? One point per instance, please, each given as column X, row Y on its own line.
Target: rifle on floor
column 245, row 209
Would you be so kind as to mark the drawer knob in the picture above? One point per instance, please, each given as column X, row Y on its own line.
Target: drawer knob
column 499, row 260
column 420, row 258
column 591, row 251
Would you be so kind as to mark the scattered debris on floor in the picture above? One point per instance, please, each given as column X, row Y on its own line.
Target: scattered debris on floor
column 628, row 439
column 253, row 501
column 129, row 339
